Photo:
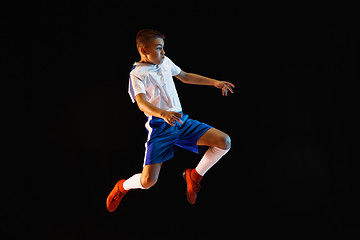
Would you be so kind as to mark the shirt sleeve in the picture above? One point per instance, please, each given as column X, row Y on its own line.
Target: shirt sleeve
column 175, row 70
column 136, row 86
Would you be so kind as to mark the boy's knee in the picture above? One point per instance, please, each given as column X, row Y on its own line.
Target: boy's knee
column 148, row 182
column 225, row 142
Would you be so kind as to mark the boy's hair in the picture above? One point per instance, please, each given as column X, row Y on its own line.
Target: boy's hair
column 144, row 36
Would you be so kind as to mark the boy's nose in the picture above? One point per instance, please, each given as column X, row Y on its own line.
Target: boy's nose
column 163, row 52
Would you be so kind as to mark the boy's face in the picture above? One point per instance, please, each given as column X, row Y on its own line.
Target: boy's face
column 154, row 52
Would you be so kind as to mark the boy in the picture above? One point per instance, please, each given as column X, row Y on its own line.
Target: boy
column 151, row 86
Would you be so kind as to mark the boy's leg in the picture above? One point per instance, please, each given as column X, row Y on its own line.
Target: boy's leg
column 143, row 180
column 150, row 175
column 215, row 138
column 219, row 143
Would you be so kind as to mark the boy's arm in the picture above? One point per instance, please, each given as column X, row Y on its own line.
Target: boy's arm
column 192, row 78
column 169, row 116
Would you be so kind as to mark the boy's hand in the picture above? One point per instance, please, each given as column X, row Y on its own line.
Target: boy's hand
column 170, row 117
column 225, row 86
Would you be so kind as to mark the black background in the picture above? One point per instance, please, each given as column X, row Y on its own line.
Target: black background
column 74, row 131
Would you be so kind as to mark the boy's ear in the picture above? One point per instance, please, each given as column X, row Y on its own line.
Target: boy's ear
column 143, row 50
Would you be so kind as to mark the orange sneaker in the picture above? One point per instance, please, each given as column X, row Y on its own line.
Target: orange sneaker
column 192, row 179
column 118, row 192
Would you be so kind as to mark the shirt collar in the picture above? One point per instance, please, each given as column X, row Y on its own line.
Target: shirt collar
column 150, row 66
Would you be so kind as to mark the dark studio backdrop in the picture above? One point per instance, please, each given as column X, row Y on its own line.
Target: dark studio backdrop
column 290, row 172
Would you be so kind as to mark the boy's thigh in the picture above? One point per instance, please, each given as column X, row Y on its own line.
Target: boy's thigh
column 213, row 138
column 151, row 171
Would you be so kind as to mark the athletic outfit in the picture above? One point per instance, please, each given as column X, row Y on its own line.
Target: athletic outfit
column 156, row 82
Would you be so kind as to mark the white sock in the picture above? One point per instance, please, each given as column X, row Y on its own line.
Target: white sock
column 133, row 182
column 211, row 156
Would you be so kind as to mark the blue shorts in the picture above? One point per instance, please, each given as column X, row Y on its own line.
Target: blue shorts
column 162, row 137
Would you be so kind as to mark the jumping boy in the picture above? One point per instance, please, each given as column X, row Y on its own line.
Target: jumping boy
column 151, row 86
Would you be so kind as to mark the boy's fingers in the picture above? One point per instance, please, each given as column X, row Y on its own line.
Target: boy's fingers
column 229, row 83
column 178, row 119
column 175, row 117
column 177, row 114
column 227, row 86
column 225, row 90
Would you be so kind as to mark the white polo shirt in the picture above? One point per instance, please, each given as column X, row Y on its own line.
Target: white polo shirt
column 156, row 82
